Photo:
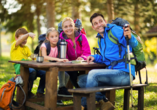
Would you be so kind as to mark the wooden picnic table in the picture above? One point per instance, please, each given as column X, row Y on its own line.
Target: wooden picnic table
column 51, row 80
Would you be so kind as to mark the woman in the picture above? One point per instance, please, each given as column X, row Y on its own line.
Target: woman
column 77, row 45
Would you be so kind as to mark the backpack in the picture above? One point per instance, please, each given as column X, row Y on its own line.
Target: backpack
column 78, row 25
column 41, row 39
column 137, row 57
column 7, row 94
column 137, row 51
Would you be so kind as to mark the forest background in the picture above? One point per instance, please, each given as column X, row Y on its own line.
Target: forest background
column 38, row 15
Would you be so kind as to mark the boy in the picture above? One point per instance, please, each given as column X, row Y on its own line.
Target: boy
column 21, row 52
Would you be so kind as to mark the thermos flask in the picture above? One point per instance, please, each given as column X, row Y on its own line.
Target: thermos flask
column 63, row 48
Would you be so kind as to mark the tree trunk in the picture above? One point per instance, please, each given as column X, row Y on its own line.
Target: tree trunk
column 110, row 10
column 75, row 9
column 50, row 13
column 38, row 20
column 136, row 18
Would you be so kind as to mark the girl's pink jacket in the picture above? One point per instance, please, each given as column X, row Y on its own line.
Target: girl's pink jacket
column 82, row 48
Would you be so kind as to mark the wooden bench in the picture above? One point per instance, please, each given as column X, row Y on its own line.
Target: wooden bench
column 89, row 93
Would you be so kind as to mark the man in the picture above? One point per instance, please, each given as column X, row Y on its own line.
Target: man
column 116, row 74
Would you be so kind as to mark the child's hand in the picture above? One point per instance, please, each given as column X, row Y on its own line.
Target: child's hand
column 63, row 60
column 32, row 35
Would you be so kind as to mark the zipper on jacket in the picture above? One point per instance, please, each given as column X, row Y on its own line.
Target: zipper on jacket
column 75, row 54
column 104, row 52
column 75, row 50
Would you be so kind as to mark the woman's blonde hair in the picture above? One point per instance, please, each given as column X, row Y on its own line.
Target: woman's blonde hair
column 66, row 19
column 52, row 29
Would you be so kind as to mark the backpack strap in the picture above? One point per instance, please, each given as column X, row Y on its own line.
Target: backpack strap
column 139, row 73
column 58, row 47
column 60, row 27
column 119, row 61
column 48, row 47
column 146, row 76
column 80, row 40
column 99, row 41
column 115, row 40
column 16, row 105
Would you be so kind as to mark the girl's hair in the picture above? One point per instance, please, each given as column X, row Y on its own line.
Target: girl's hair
column 66, row 19
column 52, row 29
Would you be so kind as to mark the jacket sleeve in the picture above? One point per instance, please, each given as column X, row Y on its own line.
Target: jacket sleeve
column 85, row 48
column 97, row 58
column 118, row 32
column 133, row 41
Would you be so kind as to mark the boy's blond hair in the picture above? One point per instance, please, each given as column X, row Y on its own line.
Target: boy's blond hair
column 20, row 31
column 66, row 19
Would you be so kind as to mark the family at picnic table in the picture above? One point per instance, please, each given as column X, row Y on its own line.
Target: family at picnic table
column 78, row 49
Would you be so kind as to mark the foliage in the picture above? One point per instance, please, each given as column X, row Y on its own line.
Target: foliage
column 32, row 14
column 31, row 8
column 151, row 49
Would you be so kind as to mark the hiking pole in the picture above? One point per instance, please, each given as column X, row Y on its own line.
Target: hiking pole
column 128, row 49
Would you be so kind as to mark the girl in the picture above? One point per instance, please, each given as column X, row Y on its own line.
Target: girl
column 52, row 36
column 75, row 50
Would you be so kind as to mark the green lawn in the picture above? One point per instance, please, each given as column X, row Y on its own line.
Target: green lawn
column 150, row 96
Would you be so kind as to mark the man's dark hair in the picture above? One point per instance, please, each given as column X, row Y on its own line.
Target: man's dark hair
column 95, row 15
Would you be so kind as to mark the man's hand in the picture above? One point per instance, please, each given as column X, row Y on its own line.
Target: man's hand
column 127, row 31
column 32, row 35
column 90, row 59
column 79, row 58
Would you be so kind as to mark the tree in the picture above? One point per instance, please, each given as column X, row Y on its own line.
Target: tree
column 3, row 14
column 75, row 9
column 38, row 12
column 136, row 17
column 110, row 10
column 50, row 13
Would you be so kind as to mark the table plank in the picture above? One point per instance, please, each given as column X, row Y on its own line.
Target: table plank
column 58, row 64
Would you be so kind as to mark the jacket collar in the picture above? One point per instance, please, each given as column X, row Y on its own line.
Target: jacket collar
column 98, row 36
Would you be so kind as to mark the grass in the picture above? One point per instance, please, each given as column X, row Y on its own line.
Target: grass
column 150, row 96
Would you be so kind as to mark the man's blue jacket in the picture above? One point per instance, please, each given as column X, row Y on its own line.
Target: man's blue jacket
column 110, row 51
